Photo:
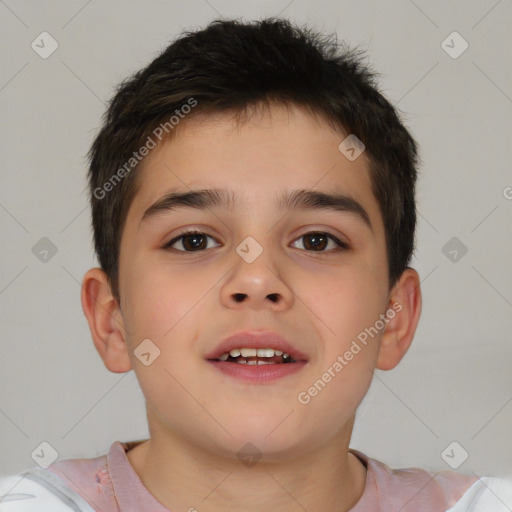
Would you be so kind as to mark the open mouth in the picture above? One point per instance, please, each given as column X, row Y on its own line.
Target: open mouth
column 255, row 356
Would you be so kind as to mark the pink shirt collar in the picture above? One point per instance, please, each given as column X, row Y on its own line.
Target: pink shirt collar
column 109, row 483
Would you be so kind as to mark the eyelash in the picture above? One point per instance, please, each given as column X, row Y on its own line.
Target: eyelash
column 342, row 246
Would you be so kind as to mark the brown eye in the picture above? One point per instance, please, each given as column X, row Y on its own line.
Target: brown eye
column 191, row 241
column 317, row 241
column 314, row 241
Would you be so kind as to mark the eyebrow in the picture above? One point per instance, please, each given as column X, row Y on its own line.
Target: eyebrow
column 288, row 200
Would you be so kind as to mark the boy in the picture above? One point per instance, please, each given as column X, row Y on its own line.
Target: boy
column 253, row 209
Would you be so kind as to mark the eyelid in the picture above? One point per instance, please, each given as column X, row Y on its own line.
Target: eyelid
column 342, row 245
column 191, row 231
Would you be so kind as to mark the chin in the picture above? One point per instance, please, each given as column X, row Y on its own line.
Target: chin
column 264, row 439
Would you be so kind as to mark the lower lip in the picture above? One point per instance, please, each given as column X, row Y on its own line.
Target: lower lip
column 258, row 372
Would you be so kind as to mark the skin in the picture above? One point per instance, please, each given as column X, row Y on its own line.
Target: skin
column 184, row 302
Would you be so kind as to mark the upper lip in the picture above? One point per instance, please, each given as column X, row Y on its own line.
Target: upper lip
column 256, row 339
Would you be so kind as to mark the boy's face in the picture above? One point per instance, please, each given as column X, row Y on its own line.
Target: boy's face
column 188, row 298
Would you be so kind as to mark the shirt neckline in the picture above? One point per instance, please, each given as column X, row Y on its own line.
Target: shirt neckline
column 133, row 496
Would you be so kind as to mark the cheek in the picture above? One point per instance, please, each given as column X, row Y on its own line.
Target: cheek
column 164, row 306
column 351, row 309
column 331, row 397
column 346, row 302
column 156, row 298
column 160, row 307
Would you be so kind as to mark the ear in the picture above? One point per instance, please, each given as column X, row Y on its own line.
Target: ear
column 405, row 301
column 105, row 321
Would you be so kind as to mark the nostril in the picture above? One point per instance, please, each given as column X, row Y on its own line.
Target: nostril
column 239, row 297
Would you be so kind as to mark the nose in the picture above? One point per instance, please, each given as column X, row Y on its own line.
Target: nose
column 256, row 285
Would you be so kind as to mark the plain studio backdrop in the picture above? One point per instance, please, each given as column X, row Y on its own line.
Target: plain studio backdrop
column 446, row 65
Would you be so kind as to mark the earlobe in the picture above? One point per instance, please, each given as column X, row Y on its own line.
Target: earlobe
column 105, row 321
column 405, row 301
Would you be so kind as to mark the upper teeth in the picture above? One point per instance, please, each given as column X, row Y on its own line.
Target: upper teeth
column 253, row 352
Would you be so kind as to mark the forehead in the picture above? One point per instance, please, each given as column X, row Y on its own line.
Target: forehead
column 267, row 153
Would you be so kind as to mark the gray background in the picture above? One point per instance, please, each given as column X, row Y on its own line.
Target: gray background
column 455, row 384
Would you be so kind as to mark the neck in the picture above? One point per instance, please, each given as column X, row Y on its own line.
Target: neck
column 185, row 477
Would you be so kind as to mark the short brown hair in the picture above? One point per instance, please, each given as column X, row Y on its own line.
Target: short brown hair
column 232, row 65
